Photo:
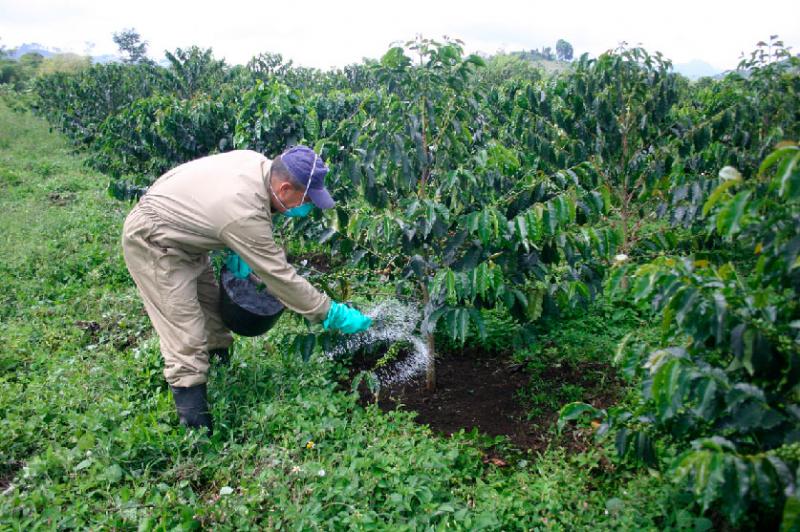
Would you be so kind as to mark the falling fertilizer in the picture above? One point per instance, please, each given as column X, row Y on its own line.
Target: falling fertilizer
column 393, row 322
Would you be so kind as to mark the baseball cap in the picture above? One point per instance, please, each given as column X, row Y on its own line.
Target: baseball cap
column 305, row 165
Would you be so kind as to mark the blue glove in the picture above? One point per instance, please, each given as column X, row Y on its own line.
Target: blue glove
column 346, row 319
column 237, row 266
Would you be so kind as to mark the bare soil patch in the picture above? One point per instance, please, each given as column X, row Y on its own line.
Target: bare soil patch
column 488, row 394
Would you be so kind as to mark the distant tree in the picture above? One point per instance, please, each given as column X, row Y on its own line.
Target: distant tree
column 503, row 67
column 30, row 62
column 8, row 70
column 67, row 63
column 546, row 54
column 131, row 45
column 268, row 65
column 564, row 50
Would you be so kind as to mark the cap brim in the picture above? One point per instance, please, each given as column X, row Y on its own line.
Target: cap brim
column 321, row 198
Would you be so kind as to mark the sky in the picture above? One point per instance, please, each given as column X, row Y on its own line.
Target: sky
column 335, row 33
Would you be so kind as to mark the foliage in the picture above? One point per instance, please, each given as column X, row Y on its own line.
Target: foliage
column 726, row 376
column 20, row 73
column 493, row 189
column 78, row 104
column 132, row 47
column 564, row 50
column 154, row 134
column 90, row 438
column 272, row 117
column 193, row 71
column 507, row 68
column 477, row 156
column 66, row 63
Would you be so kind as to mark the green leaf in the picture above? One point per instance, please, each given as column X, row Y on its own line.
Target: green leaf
column 791, row 514
column 715, row 196
column 730, row 215
column 304, row 344
column 550, row 218
column 84, row 464
column 645, row 452
column 327, row 235
column 86, row 442
column 773, row 158
column 113, row 473
column 477, row 319
column 789, row 176
column 450, row 285
column 621, row 442
column 668, row 388
column 395, row 58
column 522, row 231
column 573, row 411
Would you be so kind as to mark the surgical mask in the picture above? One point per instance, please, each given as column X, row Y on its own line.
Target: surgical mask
column 303, row 209
column 300, row 211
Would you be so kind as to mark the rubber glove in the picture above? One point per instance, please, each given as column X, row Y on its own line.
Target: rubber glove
column 237, row 266
column 346, row 319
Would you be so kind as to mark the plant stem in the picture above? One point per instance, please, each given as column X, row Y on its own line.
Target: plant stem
column 430, row 369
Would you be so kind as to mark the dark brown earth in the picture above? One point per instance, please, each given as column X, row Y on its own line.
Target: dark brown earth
column 7, row 472
column 486, row 393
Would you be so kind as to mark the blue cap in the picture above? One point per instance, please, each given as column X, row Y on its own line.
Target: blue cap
column 305, row 165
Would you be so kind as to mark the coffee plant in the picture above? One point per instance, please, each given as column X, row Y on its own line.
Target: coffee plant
column 726, row 377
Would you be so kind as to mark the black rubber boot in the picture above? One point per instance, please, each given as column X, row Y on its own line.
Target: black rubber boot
column 221, row 356
column 192, row 406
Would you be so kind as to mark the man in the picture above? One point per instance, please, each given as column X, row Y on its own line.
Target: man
column 216, row 202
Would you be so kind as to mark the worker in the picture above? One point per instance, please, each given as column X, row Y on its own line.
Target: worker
column 221, row 201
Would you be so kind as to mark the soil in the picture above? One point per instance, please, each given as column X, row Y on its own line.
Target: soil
column 250, row 295
column 483, row 392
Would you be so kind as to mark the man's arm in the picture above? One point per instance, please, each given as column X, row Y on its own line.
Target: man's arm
column 251, row 238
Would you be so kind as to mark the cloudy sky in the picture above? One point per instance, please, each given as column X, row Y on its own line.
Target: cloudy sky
column 337, row 32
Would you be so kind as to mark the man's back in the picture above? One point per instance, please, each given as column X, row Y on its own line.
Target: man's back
column 204, row 195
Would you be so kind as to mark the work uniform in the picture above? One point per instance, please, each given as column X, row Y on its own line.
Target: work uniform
column 219, row 201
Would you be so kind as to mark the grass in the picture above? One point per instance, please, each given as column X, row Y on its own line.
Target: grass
column 89, row 435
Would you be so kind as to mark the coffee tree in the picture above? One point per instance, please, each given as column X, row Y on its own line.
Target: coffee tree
column 78, row 103
column 614, row 112
column 457, row 219
column 725, row 378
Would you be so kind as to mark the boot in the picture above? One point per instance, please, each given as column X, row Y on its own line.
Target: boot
column 221, row 355
column 192, row 406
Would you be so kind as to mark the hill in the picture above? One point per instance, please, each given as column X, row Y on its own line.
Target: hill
column 695, row 69
column 45, row 51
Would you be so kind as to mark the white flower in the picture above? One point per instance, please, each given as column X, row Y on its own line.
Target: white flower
column 321, row 473
column 620, row 258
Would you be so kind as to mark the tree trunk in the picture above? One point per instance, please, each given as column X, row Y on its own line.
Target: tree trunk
column 430, row 368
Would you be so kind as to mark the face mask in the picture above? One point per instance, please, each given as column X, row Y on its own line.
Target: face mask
column 303, row 209
column 299, row 211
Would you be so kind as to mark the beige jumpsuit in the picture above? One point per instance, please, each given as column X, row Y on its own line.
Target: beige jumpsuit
column 219, row 201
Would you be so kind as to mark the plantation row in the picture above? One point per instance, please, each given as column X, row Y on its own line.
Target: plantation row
column 467, row 188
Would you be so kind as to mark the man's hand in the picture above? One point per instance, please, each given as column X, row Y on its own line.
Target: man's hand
column 237, row 266
column 346, row 319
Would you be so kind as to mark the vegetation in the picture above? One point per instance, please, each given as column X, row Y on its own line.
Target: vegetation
column 90, row 439
column 489, row 194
